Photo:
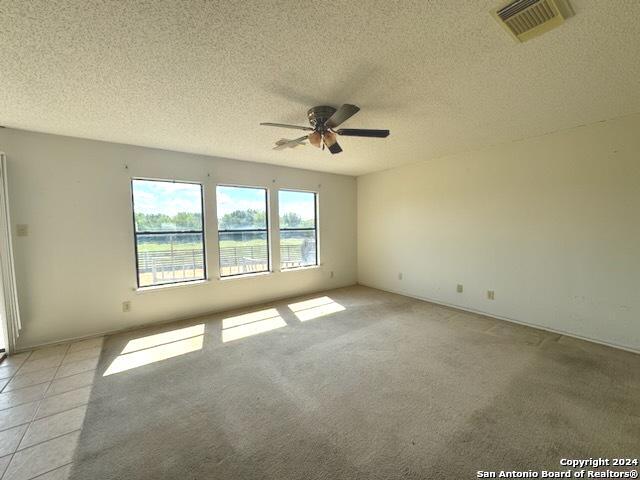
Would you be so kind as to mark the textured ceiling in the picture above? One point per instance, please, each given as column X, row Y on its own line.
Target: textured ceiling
column 198, row 76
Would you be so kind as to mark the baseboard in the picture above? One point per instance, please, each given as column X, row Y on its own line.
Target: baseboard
column 172, row 320
column 506, row 319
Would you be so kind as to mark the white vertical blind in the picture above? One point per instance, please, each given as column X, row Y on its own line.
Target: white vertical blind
column 9, row 310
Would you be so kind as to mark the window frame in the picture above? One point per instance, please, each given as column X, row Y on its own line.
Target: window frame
column 315, row 228
column 202, row 232
column 266, row 230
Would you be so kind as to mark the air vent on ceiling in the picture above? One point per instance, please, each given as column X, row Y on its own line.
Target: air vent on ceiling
column 525, row 19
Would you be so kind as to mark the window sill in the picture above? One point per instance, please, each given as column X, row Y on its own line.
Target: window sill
column 245, row 275
column 298, row 269
column 169, row 286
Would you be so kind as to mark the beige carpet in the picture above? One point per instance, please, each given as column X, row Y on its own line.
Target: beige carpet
column 362, row 384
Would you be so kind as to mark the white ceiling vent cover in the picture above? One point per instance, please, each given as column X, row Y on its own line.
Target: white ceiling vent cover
column 525, row 19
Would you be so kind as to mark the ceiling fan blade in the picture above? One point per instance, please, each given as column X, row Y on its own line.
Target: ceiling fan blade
column 330, row 141
column 363, row 132
column 284, row 143
column 344, row 113
column 284, row 125
column 315, row 139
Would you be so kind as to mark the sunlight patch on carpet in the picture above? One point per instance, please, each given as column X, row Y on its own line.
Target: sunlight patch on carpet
column 315, row 308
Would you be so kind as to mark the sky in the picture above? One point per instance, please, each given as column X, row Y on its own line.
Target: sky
column 166, row 197
column 171, row 198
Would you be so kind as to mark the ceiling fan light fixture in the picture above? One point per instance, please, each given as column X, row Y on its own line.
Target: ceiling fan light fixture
column 331, row 142
column 315, row 139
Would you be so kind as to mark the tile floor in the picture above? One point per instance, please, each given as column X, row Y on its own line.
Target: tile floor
column 43, row 402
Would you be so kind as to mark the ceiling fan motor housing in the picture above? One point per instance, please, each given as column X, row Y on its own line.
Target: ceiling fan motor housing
column 319, row 115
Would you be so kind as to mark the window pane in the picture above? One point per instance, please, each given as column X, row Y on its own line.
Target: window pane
column 241, row 208
column 297, row 229
column 167, row 206
column 170, row 258
column 243, row 252
column 297, row 248
column 297, row 209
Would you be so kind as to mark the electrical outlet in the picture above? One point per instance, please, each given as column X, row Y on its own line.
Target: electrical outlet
column 23, row 230
column 400, row 276
column 331, row 274
column 126, row 306
column 459, row 288
column 491, row 295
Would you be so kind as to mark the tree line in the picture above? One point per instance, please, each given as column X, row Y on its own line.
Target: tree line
column 238, row 219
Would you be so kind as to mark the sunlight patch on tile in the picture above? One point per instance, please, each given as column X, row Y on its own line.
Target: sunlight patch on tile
column 139, row 358
column 163, row 338
column 249, row 324
column 315, row 308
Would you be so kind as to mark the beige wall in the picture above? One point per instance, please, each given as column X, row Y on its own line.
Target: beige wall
column 76, row 266
column 551, row 224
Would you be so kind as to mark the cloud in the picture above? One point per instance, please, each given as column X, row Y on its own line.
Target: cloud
column 301, row 203
column 304, row 209
column 166, row 197
column 230, row 199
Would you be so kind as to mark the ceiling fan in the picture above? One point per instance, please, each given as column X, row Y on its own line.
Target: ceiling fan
column 324, row 121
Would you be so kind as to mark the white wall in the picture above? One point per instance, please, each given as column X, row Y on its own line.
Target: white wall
column 552, row 224
column 76, row 266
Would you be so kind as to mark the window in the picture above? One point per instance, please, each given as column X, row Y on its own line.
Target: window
column 242, row 230
column 169, row 233
column 298, row 229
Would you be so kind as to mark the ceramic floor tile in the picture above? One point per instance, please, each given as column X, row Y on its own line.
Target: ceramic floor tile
column 42, row 458
column 62, row 473
column 22, row 395
column 81, row 355
column 9, row 439
column 12, row 417
column 15, row 360
column 49, row 351
column 64, row 401
column 41, row 364
column 4, row 383
column 85, row 344
column 4, row 461
column 22, row 380
column 6, row 371
column 50, row 427
column 77, row 367
column 70, row 383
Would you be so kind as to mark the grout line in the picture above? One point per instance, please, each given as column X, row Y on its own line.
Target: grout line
column 29, row 401
column 66, row 391
column 40, row 475
column 25, row 430
column 52, row 379
column 7, row 467
column 43, row 397
column 16, row 372
column 15, row 426
column 76, row 373
column 36, row 410
column 61, row 411
column 47, row 440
